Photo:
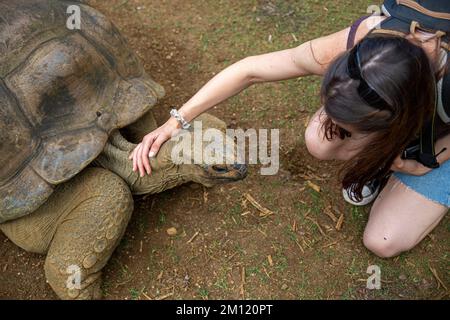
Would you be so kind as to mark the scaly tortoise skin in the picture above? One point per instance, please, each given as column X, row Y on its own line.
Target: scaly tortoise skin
column 66, row 183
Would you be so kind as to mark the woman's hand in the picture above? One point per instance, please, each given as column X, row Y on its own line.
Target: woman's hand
column 150, row 145
column 410, row 167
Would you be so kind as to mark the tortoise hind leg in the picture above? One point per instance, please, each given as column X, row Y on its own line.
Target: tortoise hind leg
column 78, row 227
column 86, row 239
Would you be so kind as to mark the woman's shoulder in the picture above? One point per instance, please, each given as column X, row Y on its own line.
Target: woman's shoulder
column 367, row 25
column 327, row 48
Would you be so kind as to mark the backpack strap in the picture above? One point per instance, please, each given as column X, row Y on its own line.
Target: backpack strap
column 427, row 153
column 404, row 17
column 353, row 29
column 445, row 95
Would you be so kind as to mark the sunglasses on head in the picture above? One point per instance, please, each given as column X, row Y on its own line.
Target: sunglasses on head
column 365, row 91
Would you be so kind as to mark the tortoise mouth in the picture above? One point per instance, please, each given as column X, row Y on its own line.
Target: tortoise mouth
column 226, row 172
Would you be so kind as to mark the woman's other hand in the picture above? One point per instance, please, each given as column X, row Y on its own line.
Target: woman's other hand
column 411, row 167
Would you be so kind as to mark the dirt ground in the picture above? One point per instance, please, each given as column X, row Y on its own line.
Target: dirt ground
column 224, row 249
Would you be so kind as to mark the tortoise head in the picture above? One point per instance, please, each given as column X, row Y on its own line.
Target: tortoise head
column 203, row 154
column 210, row 175
column 206, row 162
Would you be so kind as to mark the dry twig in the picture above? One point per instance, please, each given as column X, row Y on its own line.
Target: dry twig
column 264, row 211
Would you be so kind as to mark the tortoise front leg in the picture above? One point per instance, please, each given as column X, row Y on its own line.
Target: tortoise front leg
column 165, row 174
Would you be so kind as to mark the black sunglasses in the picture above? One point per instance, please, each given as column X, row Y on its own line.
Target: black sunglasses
column 365, row 91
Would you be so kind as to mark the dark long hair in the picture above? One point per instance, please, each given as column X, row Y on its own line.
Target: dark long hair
column 401, row 74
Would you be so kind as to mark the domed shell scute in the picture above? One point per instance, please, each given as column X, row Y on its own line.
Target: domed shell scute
column 62, row 92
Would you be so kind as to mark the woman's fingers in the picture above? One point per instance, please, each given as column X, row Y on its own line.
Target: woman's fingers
column 140, row 164
column 147, row 144
column 148, row 148
column 156, row 145
column 135, row 167
column 411, row 167
column 140, row 154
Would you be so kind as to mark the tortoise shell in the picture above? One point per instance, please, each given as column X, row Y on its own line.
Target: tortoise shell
column 62, row 92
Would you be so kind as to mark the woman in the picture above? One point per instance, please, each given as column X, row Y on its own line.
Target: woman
column 368, row 136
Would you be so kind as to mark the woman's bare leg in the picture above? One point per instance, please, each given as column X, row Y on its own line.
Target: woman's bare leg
column 400, row 218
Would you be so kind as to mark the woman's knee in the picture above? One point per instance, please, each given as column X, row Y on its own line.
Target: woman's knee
column 385, row 243
column 379, row 245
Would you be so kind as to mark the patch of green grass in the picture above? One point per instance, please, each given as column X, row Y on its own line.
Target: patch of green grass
column 161, row 219
column 303, row 286
column 222, row 281
column 301, row 208
column 355, row 269
column 134, row 294
column 349, row 294
column 203, row 293
column 290, row 233
column 256, row 271
column 173, row 254
column 280, row 260
column 106, row 286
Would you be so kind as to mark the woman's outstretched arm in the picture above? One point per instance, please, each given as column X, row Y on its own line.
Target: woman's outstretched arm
column 310, row 58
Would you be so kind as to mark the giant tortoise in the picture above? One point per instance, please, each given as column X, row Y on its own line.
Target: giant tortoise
column 72, row 105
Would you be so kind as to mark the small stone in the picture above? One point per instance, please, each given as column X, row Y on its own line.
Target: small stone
column 172, row 231
column 402, row 277
column 284, row 286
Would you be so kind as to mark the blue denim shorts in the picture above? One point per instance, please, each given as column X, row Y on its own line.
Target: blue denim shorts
column 434, row 186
